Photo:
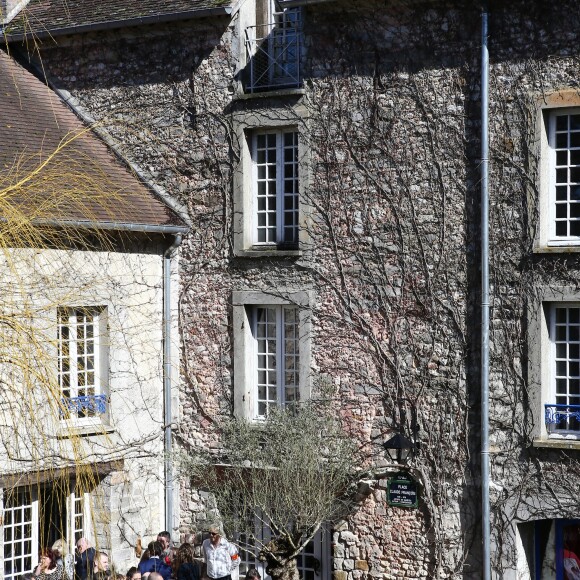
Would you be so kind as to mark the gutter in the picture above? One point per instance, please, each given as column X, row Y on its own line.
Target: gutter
column 118, row 226
column 167, row 380
column 116, row 24
column 485, row 508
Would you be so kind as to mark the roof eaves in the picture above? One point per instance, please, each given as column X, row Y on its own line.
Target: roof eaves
column 225, row 10
column 113, row 225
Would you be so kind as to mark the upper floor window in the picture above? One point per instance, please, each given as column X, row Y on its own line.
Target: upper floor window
column 565, row 173
column 82, row 362
column 275, row 156
column 273, row 51
column 563, row 407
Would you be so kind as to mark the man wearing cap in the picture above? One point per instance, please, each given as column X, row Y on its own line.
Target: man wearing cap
column 221, row 557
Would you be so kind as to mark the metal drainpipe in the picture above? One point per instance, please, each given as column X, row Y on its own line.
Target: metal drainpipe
column 167, row 419
column 485, row 516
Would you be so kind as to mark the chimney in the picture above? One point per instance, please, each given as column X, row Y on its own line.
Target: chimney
column 10, row 8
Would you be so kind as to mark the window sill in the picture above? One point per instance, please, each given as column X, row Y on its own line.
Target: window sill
column 68, row 430
column 561, row 442
column 269, row 94
column 268, row 252
column 565, row 247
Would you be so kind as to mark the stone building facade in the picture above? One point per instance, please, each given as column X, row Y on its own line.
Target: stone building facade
column 371, row 111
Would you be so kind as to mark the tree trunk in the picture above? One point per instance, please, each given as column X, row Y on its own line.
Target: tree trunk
column 288, row 570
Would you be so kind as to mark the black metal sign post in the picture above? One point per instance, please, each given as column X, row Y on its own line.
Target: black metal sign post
column 402, row 491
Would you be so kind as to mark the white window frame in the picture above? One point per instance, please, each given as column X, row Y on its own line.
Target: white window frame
column 280, row 184
column 555, row 360
column 553, row 238
column 99, row 359
column 33, row 537
column 244, row 305
column 281, row 340
column 541, row 360
column 78, row 508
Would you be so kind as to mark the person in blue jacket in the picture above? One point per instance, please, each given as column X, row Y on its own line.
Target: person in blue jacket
column 155, row 563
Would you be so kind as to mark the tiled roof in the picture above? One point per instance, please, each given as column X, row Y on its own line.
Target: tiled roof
column 83, row 182
column 54, row 16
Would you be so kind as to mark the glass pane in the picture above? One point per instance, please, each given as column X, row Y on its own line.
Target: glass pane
column 575, row 192
column 562, row 157
column 561, row 176
column 561, row 140
column 562, row 123
column 561, row 210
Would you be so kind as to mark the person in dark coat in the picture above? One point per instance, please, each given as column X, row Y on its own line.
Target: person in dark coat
column 185, row 566
column 155, row 563
column 84, row 559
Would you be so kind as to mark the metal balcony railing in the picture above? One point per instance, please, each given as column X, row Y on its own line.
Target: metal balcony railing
column 87, row 406
column 273, row 54
column 561, row 417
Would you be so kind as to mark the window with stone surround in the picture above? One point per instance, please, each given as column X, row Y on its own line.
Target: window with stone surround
column 563, row 406
column 564, row 151
column 82, row 363
column 271, row 351
column 270, row 212
column 558, row 141
column 553, row 321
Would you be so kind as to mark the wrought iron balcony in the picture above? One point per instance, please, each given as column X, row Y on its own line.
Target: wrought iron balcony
column 561, row 417
column 87, row 406
column 273, row 54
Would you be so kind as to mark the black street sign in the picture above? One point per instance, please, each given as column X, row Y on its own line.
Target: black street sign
column 402, row 491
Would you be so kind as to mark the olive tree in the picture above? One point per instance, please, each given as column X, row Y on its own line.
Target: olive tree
column 290, row 473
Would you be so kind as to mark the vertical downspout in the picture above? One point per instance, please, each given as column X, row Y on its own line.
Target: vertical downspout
column 485, row 519
column 167, row 412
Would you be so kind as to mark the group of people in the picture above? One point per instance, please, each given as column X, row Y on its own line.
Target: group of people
column 160, row 561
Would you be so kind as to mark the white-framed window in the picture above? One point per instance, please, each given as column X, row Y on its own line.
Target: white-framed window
column 275, row 187
column 20, row 535
column 564, row 169
column 563, row 407
column 277, row 356
column 271, row 350
column 78, row 518
column 82, row 362
column 34, row 517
